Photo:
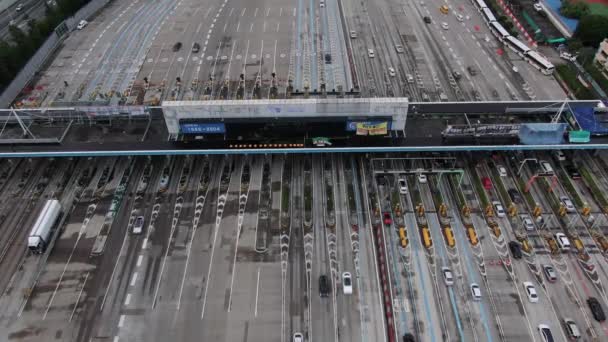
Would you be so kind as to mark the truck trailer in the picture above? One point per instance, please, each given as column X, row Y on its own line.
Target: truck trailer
column 40, row 234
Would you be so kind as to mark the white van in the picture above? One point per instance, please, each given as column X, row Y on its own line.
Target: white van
column 546, row 167
column 562, row 241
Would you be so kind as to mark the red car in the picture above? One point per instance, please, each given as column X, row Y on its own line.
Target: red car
column 487, row 183
column 387, row 219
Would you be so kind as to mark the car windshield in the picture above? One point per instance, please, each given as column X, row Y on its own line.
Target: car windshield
column 347, row 281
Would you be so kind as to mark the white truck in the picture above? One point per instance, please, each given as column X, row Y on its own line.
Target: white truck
column 40, row 234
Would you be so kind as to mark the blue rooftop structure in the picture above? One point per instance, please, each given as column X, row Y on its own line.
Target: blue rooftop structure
column 588, row 120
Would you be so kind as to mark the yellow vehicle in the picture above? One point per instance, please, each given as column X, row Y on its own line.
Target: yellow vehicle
column 404, row 242
column 402, row 233
column 472, row 236
column 449, row 237
column 426, row 237
column 444, row 9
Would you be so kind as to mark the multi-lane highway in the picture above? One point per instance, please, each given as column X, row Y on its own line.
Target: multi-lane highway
column 134, row 52
column 233, row 247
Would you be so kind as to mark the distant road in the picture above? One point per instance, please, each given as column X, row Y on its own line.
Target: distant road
column 33, row 8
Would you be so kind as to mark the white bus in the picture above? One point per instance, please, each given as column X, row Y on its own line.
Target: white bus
column 540, row 62
column 480, row 4
column 488, row 14
column 499, row 31
column 520, row 48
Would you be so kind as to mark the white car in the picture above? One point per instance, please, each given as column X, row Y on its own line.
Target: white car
column 163, row 183
column 322, row 4
column 138, row 225
column 459, row 17
column 475, row 291
column 353, row 34
column 448, row 277
column 298, row 337
column 562, row 241
column 370, row 53
column 82, row 24
column 500, row 211
column 391, row 72
column 19, row 8
column 402, row 186
column 347, row 283
column 445, row 26
column 528, row 224
column 545, row 333
column 567, row 204
column 531, row 292
column 538, row 7
column 410, row 78
column 502, row 171
column 422, row 178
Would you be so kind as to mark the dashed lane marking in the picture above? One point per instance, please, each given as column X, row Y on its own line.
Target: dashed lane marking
column 121, row 321
column 133, row 279
column 128, row 299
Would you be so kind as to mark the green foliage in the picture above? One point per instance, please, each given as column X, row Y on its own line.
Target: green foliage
column 592, row 29
column 574, row 45
column 568, row 75
column 574, row 9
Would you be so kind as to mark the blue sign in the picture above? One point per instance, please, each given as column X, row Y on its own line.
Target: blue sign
column 351, row 126
column 203, row 128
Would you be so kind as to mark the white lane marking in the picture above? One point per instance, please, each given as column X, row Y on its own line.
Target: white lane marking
column 128, row 299
column 251, row 28
column 267, row 11
column 281, row 12
column 243, row 12
column 217, row 15
column 274, row 61
column 294, row 11
column 479, row 45
column 133, row 279
column 225, row 26
column 257, row 290
column 139, row 260
column 231, row 10
column 198, row 28
column 208, row 36
column 502, row 77
column 116, row 338
column 230, row 61
column 278, row 23
column 210, row 31
column 238, row 26
column 264, row 26
column 255, row 14
column 79, row 295
column 121, row 321
column 212, row 25
column 143, row 245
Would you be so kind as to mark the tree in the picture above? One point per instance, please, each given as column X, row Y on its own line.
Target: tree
column 574, row 9
column 592, row 29
column 574, row 45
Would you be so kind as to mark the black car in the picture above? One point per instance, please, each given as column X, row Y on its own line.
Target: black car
column 573, row 172
column 177, row 46
column 195, row 48
column 515, row 248
column 327, row 58
column 324, row 288
column 427, row 20
column 596, row 309
column 515, row 197
column 408, row 338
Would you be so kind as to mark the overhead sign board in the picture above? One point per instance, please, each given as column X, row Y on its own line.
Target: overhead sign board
column 202, row 128
column 369, row 127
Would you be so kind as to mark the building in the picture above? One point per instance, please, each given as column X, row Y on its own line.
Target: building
column 601, row 57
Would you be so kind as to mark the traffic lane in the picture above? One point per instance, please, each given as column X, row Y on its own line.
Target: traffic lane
column 385, row 42
column 584, row 290
column 564, row 298
column 217, row 287
column 452, row 305
column 505, row 309
column 541, row 312
column 351, row 326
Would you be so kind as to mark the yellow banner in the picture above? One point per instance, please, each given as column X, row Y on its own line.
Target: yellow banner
column 377, row 129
